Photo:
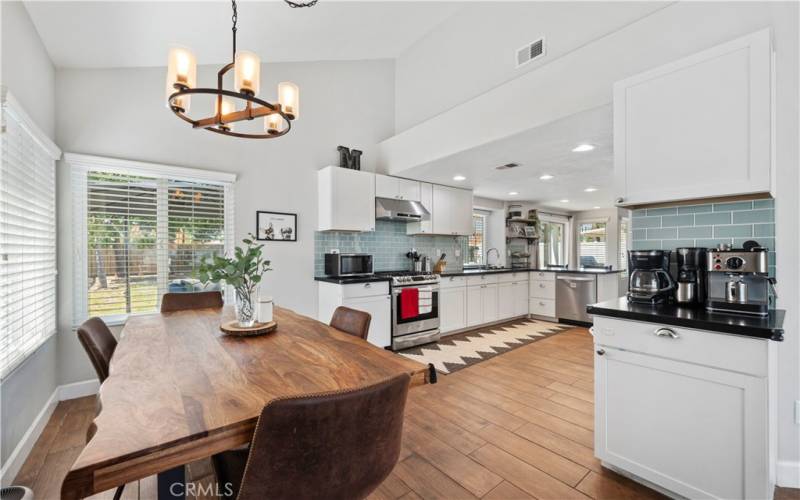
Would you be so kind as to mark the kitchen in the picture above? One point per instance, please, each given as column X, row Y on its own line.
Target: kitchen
column 571, row 226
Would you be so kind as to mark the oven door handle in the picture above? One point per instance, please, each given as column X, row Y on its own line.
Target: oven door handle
column 396, row 291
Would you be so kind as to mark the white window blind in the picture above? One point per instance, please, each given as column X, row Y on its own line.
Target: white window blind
column 477, row 241
column 141, row 232
column 27, row 237
column 623, row 244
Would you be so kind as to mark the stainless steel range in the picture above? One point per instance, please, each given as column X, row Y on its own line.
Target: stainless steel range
column 414, row 324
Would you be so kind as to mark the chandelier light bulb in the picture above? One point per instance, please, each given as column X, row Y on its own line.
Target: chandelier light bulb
column 247, row 72
column 272, row 123
column 289, row 97
column 227, row 107
column 181, row 74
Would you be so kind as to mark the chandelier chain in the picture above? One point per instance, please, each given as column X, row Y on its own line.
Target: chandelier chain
column 296, row 5
column 234, row 19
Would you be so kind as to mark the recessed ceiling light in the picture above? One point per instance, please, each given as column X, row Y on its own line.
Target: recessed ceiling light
column 512, row 193
column 564, row 201
column 459, row 178
column 590, row 190
column 595, row 208
column 581, row 148
column 546, row 177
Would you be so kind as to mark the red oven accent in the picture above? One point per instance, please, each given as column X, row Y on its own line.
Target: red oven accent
column 409, row 303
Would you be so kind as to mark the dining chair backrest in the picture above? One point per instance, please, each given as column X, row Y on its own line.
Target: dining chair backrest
column 190, row 300
column 351, row 321
column 338, row 445
column 99, row 343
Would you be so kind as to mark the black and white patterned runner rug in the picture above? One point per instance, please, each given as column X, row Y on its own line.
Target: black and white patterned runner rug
column 461, row 350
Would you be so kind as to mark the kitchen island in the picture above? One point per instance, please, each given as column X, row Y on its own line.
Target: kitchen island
column 685, row 399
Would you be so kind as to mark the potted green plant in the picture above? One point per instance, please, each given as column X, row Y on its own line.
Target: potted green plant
column 243, row 272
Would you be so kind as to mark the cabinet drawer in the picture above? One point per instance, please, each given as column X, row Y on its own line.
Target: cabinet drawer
column 542, row 307
column 729, row 352
column 543, row 275
column 365, row 289
column 543, row 289
column 453, row 281
column 512, row 277
column 483, row 279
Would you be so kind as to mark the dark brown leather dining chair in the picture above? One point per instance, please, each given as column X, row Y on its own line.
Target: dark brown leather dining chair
column 338, row 445
column 190, row 300
column 351, row 321
column 99, row 343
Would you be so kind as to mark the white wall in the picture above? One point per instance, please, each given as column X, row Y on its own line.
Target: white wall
column 348, row 103
column 29, row 75
column 474, row 50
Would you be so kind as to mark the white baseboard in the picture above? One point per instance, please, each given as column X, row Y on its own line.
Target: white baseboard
column 78, row 389
column 788, row 474
column 63, row 392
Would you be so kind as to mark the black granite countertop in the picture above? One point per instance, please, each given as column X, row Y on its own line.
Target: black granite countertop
column 469, row 272
column 768, row 327
column 352, row 280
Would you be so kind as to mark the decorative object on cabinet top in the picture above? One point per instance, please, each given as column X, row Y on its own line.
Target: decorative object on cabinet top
column 182, row 85
column 349, row 158
column 768, row 327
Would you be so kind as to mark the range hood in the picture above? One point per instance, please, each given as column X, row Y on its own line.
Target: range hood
column 404, row 210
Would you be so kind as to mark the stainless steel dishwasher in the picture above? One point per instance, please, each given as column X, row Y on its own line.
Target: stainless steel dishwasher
column 573, row 293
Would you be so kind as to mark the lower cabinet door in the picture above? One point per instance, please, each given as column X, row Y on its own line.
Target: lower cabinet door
column 697, row 431
column 474, row 305
column 520, row 298
column 505, row 300
column 380, row 308
column 452, row 309
column 490, row 303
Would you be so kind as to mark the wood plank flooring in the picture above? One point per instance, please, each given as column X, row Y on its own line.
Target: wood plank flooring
column 517, row 426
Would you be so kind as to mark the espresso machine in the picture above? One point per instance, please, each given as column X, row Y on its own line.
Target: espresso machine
column 738, row 280
column 691, row 271
column 649, row 281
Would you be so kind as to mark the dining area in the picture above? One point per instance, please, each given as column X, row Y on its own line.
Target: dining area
column 306, row 410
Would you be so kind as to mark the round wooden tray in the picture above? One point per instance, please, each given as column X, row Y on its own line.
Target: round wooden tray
column 232, row 328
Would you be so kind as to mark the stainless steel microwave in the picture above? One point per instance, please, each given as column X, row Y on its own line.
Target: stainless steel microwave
column 348, row 264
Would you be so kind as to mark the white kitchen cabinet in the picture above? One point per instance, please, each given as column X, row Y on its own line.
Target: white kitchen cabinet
column 489, row 303
column 506, row 303
column 474, row 305
column 426, row 199
column 706, row 118
column 452, row 308
column 520, row 298
column 687, row 410
column 346, row 200
column 452, row 211
column 373, row 298
column 396, row 188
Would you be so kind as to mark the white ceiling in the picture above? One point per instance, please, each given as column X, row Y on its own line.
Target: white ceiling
column 541, row 150
column 108, row 34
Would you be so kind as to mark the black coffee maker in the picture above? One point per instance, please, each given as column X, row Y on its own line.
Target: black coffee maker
column 691, row 287
column 649, row 281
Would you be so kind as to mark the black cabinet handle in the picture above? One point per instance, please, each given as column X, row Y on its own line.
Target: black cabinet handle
column 601, row 351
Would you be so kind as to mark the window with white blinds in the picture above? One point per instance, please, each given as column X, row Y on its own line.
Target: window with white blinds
column 141, row 233
column 476, row 242
column 27, row 237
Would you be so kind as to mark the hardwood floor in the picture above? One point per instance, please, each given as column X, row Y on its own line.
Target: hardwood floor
column 517, row 426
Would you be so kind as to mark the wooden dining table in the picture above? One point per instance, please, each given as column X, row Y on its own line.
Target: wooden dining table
column 180, row 390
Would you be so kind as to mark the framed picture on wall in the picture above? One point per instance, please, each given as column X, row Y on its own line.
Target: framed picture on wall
column 276, row 226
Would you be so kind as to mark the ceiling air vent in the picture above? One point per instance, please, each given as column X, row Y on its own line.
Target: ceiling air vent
column 507, row 166
column 529, row 52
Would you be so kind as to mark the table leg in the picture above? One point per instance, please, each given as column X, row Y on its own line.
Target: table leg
column 172, row 484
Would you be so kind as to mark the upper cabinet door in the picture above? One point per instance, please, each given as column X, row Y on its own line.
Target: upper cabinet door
column 461, row 214
column 699, row 127
column 346, row 199
column 394, row 187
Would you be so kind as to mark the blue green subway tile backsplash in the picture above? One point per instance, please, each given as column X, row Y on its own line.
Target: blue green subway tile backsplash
column 706, row 225
column 388, row 245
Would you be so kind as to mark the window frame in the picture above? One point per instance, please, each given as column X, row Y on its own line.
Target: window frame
column 81, row 165
column 595, row 220
column 11, row 108
column 485, row 218
column 567, row 221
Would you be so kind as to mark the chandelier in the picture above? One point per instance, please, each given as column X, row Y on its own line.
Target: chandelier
column 246, row 66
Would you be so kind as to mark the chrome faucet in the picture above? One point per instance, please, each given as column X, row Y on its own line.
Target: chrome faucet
column 489, row 251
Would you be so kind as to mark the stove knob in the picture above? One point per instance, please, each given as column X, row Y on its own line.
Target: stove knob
column 717, row 267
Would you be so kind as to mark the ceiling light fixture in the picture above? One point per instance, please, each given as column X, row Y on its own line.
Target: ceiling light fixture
column 590, row 190
column 595, row 208
column 182, row 81
column 582, row 148
column 459, row 178
column 546, row 177
column 512, row 193
column 564, row 201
